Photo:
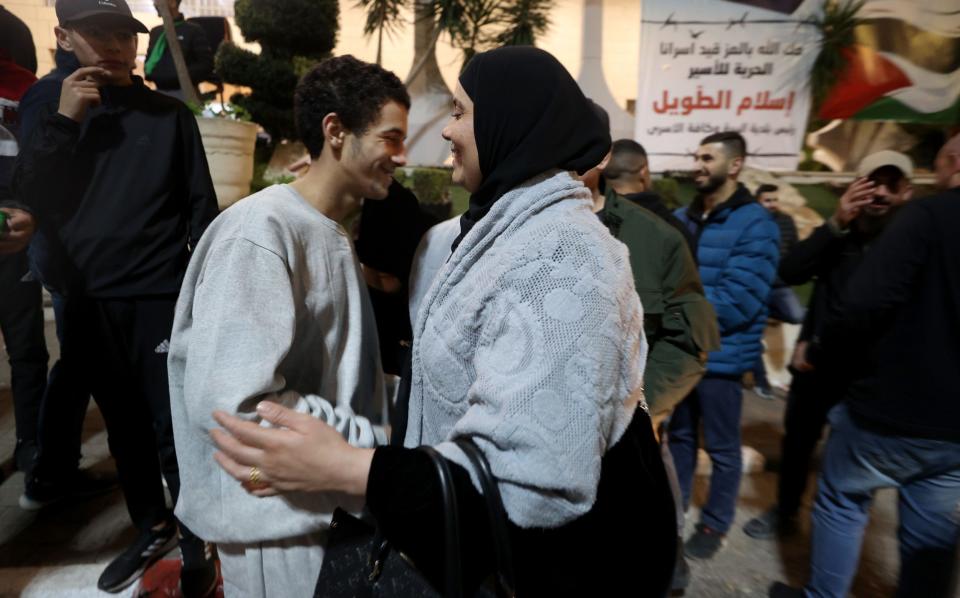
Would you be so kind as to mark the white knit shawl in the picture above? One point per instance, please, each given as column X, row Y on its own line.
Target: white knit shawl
column 530, row 341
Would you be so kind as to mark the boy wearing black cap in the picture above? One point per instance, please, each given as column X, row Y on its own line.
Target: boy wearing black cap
column 117, row 179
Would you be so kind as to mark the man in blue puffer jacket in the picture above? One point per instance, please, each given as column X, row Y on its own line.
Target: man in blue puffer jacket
column 737, row 250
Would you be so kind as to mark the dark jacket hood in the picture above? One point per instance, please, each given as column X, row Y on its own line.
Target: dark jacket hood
column 740, row 198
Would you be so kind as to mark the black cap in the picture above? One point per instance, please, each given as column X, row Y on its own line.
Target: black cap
column 70, row 11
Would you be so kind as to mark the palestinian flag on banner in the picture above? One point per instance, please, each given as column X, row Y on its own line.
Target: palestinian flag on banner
column 904, row 67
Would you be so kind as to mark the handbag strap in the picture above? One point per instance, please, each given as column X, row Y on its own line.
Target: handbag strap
column 452, row 577
column 380, row 546
column 506, row 581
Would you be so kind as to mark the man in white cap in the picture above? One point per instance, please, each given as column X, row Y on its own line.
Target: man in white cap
column 830, row 256
column 895, row 339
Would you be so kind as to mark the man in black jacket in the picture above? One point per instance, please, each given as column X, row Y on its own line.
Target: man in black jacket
column 21, row 304
column 64, row 431
column 830, row 256
column 896, row 338
column 783, row 303
column 117, row 179
column 159, row 67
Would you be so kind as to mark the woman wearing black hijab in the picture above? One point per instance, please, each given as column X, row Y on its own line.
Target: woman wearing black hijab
column 530, row 344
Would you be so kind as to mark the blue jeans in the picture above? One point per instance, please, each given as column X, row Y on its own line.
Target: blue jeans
column 857, row 462
column 717, row 400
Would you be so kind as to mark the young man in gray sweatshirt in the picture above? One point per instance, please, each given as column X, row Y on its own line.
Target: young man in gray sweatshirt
column 274, row 307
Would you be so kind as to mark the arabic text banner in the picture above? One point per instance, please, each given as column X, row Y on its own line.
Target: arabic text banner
column 713, row 65
column 191, row 8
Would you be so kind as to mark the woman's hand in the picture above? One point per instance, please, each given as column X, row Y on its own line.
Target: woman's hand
column 300, row 454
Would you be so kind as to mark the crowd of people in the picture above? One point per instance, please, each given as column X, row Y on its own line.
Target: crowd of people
column 568, row 328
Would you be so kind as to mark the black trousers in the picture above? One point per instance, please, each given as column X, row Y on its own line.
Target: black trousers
column 811, row 396
column 21, row 322
column 117, row 348
column 71, row 396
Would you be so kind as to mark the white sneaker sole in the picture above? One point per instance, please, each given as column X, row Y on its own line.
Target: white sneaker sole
column 29, row 504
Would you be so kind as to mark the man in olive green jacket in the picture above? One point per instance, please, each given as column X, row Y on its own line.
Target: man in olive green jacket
column 679, row 322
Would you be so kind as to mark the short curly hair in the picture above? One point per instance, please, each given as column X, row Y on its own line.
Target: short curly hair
column 353, row 89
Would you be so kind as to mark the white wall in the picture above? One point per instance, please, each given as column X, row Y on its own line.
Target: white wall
column 621, row 40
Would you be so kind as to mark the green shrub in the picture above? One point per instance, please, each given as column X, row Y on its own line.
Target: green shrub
column 428, row 184
column 821, row 198
column 669, row 191
column 293, row 35
column 433, row 189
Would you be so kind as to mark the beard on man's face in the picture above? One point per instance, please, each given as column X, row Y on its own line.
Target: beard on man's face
column 713, row 182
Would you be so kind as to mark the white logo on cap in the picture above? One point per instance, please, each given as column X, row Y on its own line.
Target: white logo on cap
column 106, row 3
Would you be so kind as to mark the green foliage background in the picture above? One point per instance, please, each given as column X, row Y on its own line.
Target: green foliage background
column 293, row 35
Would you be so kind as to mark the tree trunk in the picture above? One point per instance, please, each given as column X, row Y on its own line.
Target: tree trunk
column 429, row 95
column 425, row 75
column 173, row 44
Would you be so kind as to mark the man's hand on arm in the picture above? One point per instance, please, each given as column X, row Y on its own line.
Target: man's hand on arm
column 18, row 230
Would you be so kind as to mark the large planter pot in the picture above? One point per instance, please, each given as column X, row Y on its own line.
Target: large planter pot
column 229, row 147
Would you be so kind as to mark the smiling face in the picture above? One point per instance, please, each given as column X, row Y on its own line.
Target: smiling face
column 103, row 43
column 371, row 158
column 463, row 144
column 713, row 167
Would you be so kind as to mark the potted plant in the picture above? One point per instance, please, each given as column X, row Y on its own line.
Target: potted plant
column 229, row 139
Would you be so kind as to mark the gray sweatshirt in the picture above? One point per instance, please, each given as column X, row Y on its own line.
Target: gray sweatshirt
column 273, row 307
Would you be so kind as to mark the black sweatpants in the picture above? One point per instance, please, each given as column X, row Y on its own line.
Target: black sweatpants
column 21, row 323
column 64, row 424
column 811, row 396
column 118, row 349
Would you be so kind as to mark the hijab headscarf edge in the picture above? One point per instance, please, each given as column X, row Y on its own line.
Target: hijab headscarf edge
column 530, row 116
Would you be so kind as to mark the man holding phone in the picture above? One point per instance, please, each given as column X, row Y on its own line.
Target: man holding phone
column 117, row 179
column 830, row 255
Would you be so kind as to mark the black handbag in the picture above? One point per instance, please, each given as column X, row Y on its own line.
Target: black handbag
column 360, row 563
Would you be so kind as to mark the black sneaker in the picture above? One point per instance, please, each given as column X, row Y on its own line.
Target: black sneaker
column 38, row 494
column 199, row 574
column 770, row 525
column 25, row 456
column 782, row 590
column 127, row 568
column 704, row 543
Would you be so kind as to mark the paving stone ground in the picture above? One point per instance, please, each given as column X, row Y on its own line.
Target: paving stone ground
column 61, row 552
